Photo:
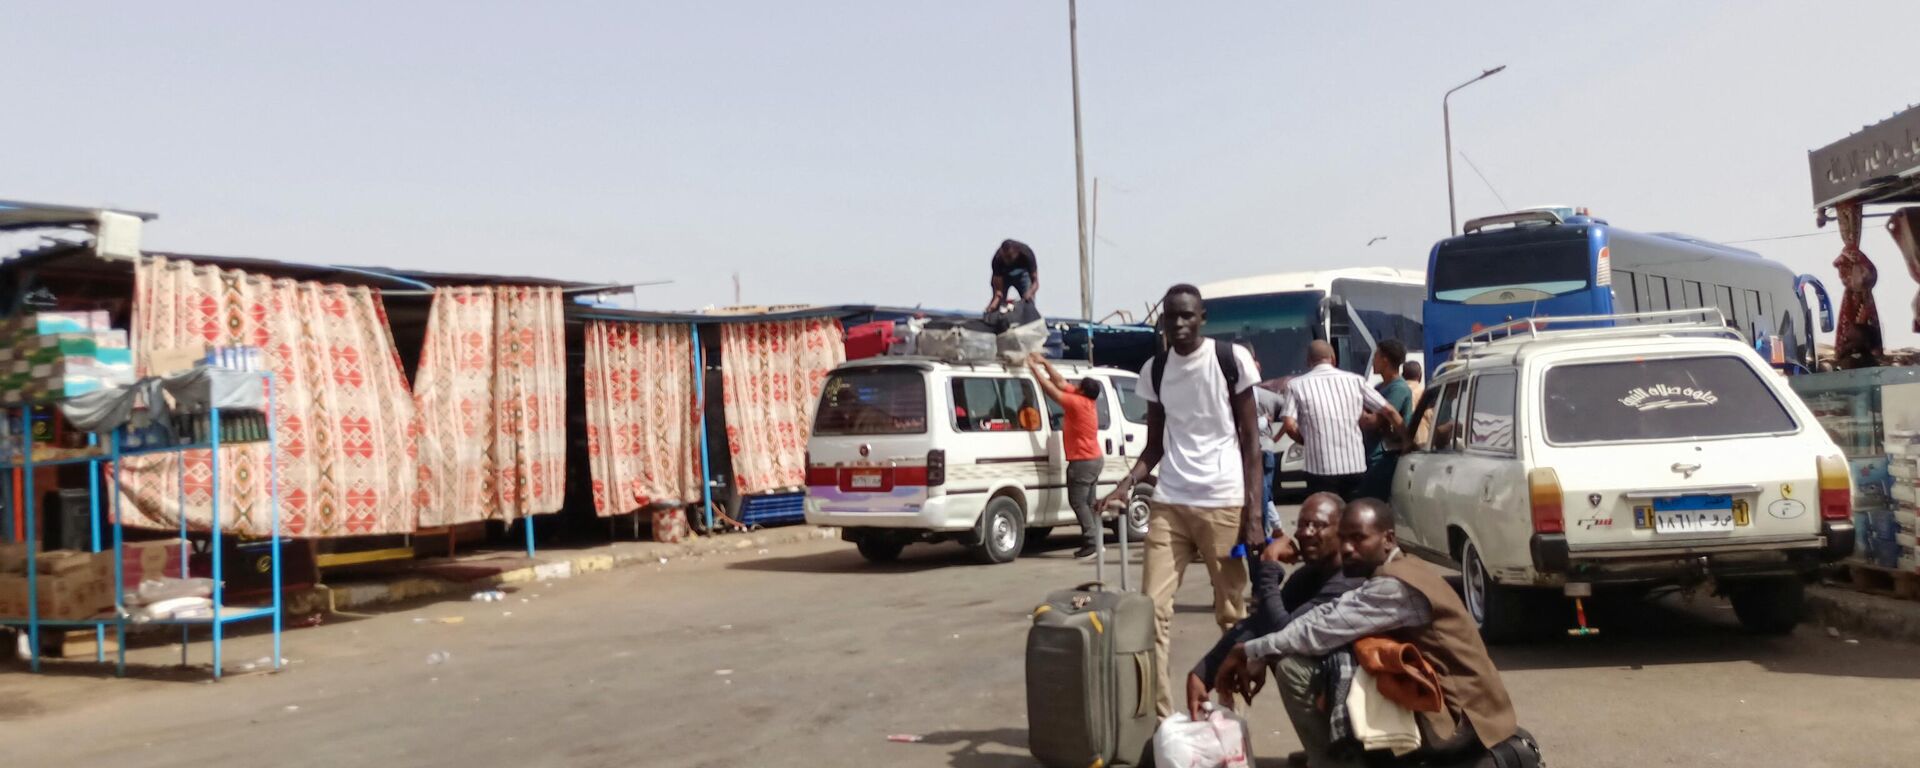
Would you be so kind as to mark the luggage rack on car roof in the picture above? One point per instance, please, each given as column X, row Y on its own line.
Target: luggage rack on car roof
column 1669, row 322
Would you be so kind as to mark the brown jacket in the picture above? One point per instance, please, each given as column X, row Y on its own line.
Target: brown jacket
column 1451, row 643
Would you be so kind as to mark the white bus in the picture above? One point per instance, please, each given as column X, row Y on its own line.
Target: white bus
column 1354, row 309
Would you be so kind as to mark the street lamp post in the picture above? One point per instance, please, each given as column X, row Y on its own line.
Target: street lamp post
column 1079, row 167
column 1446, row 121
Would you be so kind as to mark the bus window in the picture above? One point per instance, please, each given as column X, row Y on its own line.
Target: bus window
column 1723, row 298
column 1753, row 311
column 1498, row 270
column 1692, row 295
column 1656, row 293
column 1625, row 297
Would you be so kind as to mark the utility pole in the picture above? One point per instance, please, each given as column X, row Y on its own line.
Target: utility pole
column 1079, row 165
column 1446, row 120
column 1093, row 247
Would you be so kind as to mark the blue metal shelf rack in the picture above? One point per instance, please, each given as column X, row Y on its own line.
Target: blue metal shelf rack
column 119, row 621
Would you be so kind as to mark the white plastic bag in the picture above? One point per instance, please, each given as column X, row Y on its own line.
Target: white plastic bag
column 1219, row 741
column 1021, row 340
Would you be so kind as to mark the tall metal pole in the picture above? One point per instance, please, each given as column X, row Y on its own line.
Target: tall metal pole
column 1079, row 165
column 1093, row 245
column 1446, row 121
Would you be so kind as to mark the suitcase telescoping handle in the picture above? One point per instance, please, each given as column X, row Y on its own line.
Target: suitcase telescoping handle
column 1100, row 543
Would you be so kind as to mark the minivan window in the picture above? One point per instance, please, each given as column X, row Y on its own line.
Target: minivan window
column 1133, row 407
column 983, row 404
column 1491, row 428
column 1056, row 416
column 873, row 401
column 1669, row 399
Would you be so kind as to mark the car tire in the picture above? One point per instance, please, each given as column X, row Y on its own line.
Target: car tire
column 1769, row 606
column 880, row 547
column 1500, row 610
column 1036, row 538
column 1002, row 532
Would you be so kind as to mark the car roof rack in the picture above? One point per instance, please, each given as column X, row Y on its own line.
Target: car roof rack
column 1517, row 218
column 1703, row 321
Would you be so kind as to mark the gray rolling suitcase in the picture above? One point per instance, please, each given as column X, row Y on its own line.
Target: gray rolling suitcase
column 1091, row 680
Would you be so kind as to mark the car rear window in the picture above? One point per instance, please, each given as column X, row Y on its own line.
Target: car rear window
column 1670, row 399
column 873, row 401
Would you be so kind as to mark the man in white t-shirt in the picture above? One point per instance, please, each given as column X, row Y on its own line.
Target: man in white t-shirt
column 1203, row 436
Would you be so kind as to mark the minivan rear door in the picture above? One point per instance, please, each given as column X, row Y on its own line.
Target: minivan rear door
column 870, row 438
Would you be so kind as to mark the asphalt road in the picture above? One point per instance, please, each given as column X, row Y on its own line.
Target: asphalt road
column 809, row 656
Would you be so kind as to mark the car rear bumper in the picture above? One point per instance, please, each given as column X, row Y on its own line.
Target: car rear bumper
column 1689, row 561
column 948, row 513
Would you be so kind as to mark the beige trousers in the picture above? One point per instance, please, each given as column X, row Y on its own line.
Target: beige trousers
column 1175, row 533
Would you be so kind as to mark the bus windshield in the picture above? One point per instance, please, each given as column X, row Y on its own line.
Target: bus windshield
column 1276, row 326
column 1511, row 271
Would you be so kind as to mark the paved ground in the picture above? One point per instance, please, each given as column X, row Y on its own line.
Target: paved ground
column 807, row 656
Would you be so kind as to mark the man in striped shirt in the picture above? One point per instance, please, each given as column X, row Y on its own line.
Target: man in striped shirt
column 1323, row 411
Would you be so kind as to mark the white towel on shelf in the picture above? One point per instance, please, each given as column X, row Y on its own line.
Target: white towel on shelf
column 1378, row 722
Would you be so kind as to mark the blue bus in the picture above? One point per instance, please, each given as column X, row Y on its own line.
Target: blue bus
column 1542, row 262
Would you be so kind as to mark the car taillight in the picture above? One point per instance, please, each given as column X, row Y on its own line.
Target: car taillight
column 1544, row 496
column 936, row 468
column 1836, row 488
column 820, row 475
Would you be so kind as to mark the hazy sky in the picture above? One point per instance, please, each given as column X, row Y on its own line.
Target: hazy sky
column 840, row 152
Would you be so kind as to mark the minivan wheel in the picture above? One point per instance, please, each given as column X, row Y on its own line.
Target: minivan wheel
column 1497, row 608
column 1001, row 532
column 1768, row 606
column 881, row 547
column 1138, row 510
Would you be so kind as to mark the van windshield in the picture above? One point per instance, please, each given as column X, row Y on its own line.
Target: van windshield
column 873, row 401
column 1672, row 399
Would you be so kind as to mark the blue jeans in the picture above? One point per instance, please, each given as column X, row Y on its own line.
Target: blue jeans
column 1018, row 280
column 1270, row 514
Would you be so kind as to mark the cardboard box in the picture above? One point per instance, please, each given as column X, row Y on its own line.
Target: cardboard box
column 63, row 561
column 81, row 593
column 175, row 359
column 13, row 557
column 148, row 560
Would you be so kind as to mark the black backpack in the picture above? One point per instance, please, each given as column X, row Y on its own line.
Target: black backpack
column 1222, row 353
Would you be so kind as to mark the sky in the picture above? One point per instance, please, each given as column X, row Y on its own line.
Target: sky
column 841, row 151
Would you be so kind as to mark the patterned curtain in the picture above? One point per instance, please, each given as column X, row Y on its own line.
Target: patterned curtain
column 1905, row 228
column 345, row 421
column 642, row 428
column 453, row 392
column 530, row 400
column 1856, row 337
column 772, row 375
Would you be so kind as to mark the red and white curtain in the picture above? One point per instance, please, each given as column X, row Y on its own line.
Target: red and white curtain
column 344, row 417
column 530, row 400
column 772, row 377
column 642, row 422
column 453, row 391
column 491, row 392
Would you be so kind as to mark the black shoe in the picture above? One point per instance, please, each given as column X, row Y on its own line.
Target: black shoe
column 1086, row 552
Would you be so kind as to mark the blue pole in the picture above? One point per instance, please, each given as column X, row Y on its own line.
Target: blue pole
column 213, row 466
column 119, row 563
column 700, row 395
column 93, row 524
column 273, row 498
column 33, row 540
column 180, row 466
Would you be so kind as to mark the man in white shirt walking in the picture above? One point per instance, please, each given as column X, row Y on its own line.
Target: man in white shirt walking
column 1323, row 412
column 1203, row 436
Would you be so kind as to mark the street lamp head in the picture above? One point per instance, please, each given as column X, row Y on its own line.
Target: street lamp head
column 1494, row 71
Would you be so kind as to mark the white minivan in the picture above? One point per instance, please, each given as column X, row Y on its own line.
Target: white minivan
column 1634, row 455
column 913, row 449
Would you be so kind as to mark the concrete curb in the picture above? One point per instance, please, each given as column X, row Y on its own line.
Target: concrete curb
column 618, row 555
column 1864, row 614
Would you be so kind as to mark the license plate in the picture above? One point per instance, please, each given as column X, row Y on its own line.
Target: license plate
column 1693, row 514
column 865, row 481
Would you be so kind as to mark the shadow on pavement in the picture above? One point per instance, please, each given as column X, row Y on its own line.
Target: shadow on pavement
column 1669, row 630
column 1012, row 740
column 916, row 558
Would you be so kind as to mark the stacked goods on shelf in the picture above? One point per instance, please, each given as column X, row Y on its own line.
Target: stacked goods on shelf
column 54, row 355
column 1888, row 538
column 71, row 585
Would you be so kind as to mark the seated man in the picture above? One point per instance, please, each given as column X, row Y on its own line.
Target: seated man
column 1403, row 599
column 1316, row 582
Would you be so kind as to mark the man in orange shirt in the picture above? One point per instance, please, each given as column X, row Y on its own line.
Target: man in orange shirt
column 1080, row 439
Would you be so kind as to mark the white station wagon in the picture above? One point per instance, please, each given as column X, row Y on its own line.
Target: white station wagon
column 1653, row 454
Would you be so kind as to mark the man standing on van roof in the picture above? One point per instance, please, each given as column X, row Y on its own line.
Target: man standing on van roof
column 1014, row 268
column 1080, row 441
column 1323, row 412
column 1203, row 436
